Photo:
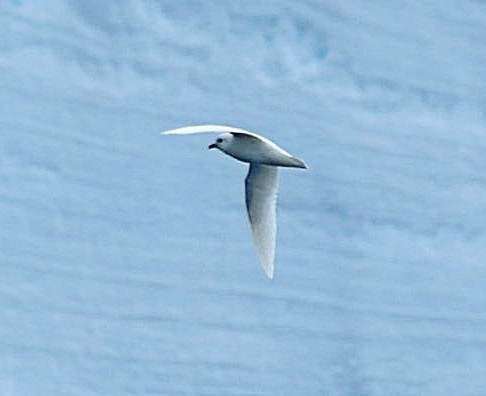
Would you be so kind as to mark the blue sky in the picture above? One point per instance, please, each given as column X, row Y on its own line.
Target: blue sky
column 126, row 252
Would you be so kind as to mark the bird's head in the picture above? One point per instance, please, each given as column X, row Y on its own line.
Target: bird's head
column 222, row 142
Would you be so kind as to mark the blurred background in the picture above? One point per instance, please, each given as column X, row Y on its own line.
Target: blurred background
column 126, row 261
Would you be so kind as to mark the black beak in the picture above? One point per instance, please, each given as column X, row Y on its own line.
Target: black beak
column 211, row 146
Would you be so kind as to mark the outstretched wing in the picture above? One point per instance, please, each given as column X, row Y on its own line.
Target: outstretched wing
column 206, row 129
column 261, row 185
column 264, row 152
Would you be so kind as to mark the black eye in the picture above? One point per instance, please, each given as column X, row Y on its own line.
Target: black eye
column 219, row 140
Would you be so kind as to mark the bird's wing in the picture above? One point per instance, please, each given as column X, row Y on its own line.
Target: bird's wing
column 261, row 199
column 206, row 129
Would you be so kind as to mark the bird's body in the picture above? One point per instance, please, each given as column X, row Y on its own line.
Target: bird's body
column 256, row 150
column 261, row 183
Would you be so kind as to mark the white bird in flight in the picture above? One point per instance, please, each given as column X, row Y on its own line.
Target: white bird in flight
column 261, row 183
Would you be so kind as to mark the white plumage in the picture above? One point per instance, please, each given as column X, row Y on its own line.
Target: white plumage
column 261, row 183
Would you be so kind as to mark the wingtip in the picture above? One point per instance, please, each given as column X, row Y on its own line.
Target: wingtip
column 189, row 130
column 269, row 270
